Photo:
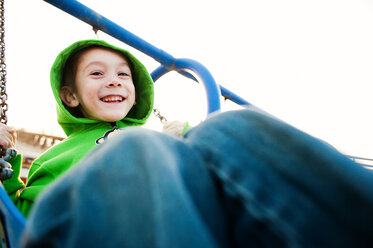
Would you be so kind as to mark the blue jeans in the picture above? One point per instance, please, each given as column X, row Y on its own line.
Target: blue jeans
column 239, row 179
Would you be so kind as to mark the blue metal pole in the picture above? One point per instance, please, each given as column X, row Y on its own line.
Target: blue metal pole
column 12, row 217
column 233, row 97
column 161, row 70
column 182, row 66
column 100, row 22
column 212, row 89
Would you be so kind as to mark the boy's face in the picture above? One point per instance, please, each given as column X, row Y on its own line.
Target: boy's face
column 103, row 86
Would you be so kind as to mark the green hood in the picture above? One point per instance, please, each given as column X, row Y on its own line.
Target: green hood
column 141, row 79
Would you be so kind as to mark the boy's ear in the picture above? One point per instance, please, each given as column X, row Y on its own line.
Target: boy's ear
column 68, row 96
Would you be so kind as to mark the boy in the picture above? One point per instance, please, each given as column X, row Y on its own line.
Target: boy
column 99, row 88
column 238, row 179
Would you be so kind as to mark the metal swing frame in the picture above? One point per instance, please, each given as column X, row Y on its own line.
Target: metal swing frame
column 12, row 222
column 167, row 61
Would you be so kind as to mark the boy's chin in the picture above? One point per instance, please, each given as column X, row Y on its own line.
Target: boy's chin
column 113, row 118
column 110, row 116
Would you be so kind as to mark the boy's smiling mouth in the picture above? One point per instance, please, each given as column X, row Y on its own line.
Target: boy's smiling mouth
column 112, row 98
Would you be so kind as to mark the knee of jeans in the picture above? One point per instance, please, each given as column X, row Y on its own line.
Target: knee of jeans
column 233, row 122
column 237, row 121
column 240, row 126
column 137, row 152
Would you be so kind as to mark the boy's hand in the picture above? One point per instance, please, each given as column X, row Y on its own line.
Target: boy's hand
column 174, row 127
column 7, row 136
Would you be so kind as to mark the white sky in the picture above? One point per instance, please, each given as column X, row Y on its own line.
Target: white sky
column 310, row 63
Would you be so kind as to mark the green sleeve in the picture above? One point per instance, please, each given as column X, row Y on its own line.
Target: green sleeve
column 14, row 184
column 36, row 183
column 22, row 196
column 186, row 128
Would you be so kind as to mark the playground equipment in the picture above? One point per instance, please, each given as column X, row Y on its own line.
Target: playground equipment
column 12, row 221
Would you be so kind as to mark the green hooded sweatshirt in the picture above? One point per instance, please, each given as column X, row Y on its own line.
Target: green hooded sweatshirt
column 82, row 134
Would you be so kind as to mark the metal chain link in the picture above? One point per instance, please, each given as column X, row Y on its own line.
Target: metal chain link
column 5, row 167
column 3, row 95
column 158, row 114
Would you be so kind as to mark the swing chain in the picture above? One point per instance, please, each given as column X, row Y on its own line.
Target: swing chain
column 5, row 167
column 158, row 114
column 3, row 94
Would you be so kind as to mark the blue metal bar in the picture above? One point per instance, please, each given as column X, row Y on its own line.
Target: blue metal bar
column 183, row 66
column 233, row 97
column 14, row 220
column 161, row 70
column 227, row 94
column 100, row 22
column 212, row 89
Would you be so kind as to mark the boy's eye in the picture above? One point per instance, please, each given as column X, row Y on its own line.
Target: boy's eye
column 123, row 74
column 96, row 73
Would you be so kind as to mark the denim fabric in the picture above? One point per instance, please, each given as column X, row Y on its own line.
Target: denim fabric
column 239, row 179
column 282, row 187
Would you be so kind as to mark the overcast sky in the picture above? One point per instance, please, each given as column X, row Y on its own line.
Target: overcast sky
column 310, row 63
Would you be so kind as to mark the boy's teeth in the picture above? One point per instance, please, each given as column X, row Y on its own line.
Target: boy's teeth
column 112, row 98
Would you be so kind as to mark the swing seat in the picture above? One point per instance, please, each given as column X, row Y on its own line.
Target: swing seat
column 12, row 222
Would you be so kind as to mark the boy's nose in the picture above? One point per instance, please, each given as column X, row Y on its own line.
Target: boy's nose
column 113, row 83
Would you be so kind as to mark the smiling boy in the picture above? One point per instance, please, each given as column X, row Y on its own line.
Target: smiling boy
column 103, row 88
column 99, row 88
